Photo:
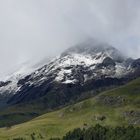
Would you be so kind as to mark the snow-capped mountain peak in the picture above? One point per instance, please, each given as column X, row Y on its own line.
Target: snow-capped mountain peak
column 80, row 63
column 77, row 65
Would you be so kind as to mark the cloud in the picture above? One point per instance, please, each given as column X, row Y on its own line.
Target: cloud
column 31, row 29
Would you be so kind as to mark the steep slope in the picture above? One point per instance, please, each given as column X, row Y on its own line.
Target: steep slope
column 73, row 70
column 117, row 107
column 88, row 66
column 9, row 86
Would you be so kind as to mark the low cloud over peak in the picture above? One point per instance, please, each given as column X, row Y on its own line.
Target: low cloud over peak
column 32, row 30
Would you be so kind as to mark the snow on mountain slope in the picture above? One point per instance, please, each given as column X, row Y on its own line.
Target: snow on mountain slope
column 79, row 64
column 12, row 86
column 11, row 81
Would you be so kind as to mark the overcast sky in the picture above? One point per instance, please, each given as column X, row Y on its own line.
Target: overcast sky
column 33, row 29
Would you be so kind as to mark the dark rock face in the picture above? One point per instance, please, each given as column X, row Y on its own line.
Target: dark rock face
column 136, row 64
column 108, row 62
column 54, row 95
column 4, row 83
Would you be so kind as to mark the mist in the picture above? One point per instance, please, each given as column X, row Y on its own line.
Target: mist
column 31, row 30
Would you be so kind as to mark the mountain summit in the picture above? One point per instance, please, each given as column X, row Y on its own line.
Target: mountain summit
column 93, row 47
column 88, row 66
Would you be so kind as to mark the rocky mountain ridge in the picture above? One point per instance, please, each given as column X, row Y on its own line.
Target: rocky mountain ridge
column 87, row 66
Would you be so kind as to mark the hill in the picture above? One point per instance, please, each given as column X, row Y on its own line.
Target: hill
column 117, row 107
column 90, row 65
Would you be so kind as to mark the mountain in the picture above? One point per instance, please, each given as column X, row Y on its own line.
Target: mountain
column 88, row 66
column 117, row 107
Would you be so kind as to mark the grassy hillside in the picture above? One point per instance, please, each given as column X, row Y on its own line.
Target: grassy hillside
column 119, row 106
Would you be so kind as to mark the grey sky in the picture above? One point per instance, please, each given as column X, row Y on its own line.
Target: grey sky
column 33, row 29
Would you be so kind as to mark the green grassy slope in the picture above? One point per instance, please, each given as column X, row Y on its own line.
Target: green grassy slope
column 119, row 106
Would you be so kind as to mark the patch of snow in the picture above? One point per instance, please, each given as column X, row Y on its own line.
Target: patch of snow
column 81, row 59
column 69, row 81
column 59, row 76
column 120, row 69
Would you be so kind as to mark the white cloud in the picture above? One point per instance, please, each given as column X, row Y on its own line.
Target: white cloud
column 33, row 29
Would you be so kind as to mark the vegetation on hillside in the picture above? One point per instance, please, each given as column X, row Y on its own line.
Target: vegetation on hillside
column 97, row 132
column 103, row 133
column 117, row 107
